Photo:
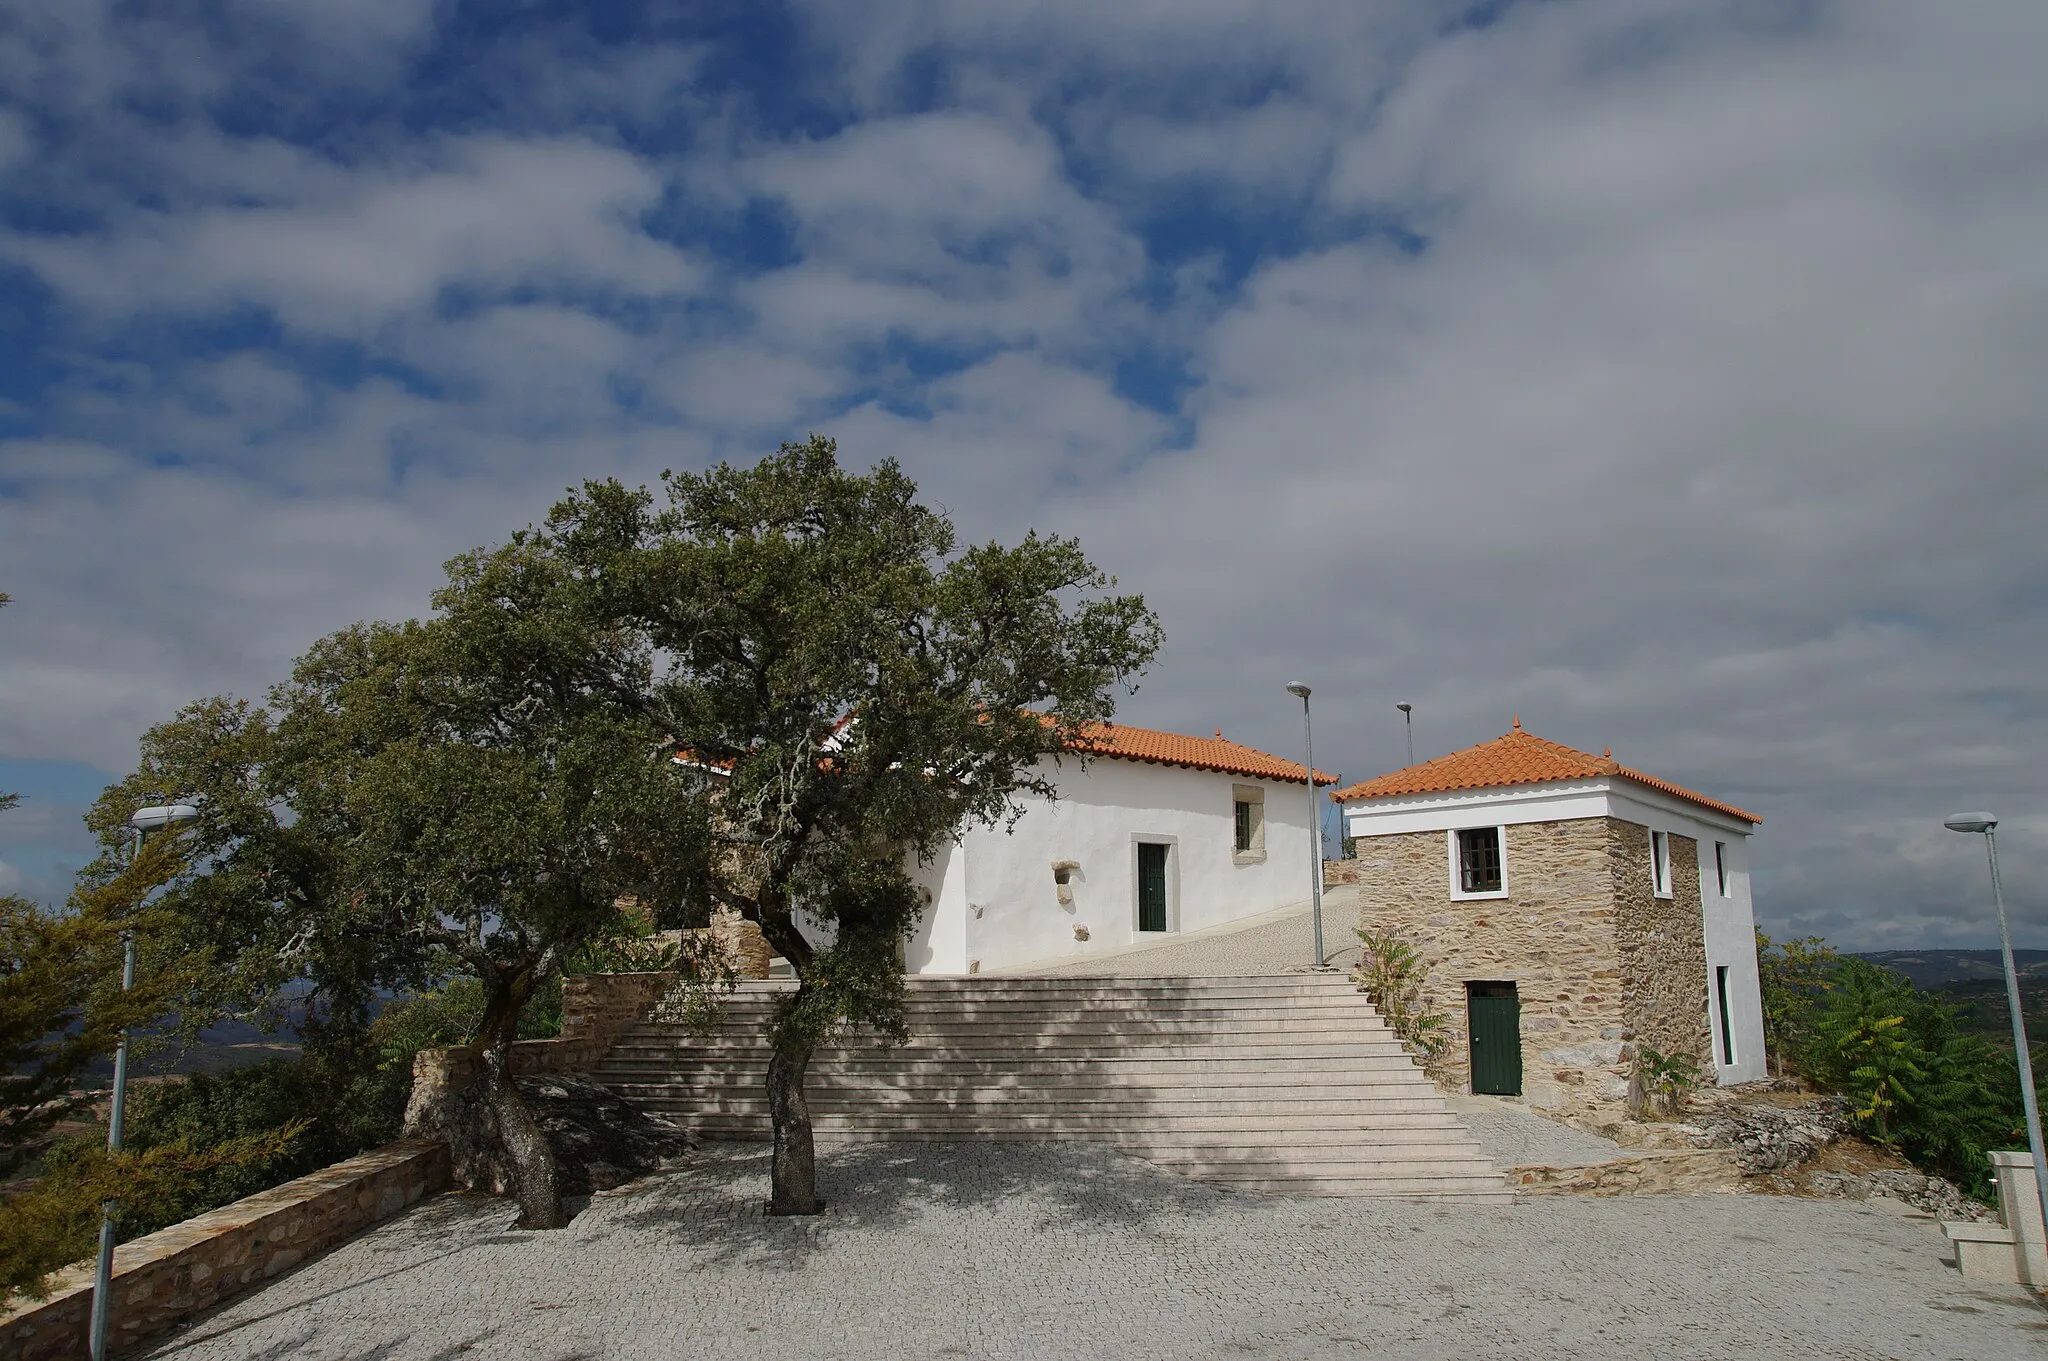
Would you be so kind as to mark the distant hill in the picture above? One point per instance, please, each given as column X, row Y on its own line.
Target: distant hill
column 1939, row 968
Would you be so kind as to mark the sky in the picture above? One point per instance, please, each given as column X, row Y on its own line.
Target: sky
column 1668, row 374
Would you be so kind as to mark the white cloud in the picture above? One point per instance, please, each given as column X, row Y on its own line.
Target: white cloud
column 1706, row 425
column 354, row 250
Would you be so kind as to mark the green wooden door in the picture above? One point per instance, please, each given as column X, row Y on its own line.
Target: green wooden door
column 1151, row 886
column 1496, row 1026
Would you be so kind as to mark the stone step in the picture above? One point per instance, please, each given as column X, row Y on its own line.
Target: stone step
column 1105, row 1030
column 690, row 1104
column 1009, row 1071
column 739, row 1049
column 1287, row 1083
column 1191, row 1126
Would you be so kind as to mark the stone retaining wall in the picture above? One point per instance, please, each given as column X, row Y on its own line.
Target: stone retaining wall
column 165, row 1277
column 596, row 1009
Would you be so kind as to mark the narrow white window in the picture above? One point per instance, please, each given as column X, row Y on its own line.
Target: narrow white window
column 1721, row 866
column 1660, row 864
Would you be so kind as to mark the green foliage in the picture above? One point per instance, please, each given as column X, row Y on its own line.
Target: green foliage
column 338, row 1111
column 1794, row 976
column 1665, row 1080
column 851, row 688
column 1915, row 1078
column 1393, row 974
column 61, row 1003
column 451, row 1014
column 862, row 687
column 55, row 1222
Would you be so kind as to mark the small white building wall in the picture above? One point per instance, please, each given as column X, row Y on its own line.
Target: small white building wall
column 1728, row 925
column 1003, row 908
column 940, row 943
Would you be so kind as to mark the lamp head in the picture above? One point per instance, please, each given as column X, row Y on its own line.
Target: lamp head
column 162, row 815
column 1970, row 822
column 1297, row 689
column 1405, row 708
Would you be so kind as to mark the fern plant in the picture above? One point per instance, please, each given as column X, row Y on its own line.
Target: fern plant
column 1392, row 974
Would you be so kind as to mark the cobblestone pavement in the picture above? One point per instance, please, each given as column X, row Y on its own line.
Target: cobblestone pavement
column 1039, row 1251
column 1514, row 1136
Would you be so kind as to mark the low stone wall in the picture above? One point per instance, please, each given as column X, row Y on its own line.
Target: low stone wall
column 596, row 1009
column 165, row 1277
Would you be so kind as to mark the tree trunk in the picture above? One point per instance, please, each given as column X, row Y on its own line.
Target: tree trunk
column 536, row 1181
column 794, row 1189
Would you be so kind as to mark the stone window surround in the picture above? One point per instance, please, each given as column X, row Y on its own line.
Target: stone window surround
column 1458, row 895
column 1255, row 796
column 1660, row 863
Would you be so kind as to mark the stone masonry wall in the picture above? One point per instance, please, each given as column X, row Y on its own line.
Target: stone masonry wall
column 1553, row 937
column 1663, row 946
column 166, row 1277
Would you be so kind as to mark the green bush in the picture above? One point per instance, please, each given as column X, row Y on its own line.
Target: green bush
column 348, row 1105
column 1916, row 1080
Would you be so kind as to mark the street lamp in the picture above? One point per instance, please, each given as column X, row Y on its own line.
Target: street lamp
column 1315, row 821
column 1987, row 824
column 145, row 821
column 1408, row 722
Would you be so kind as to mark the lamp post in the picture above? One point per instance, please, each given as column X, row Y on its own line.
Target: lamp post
column 1315, row 821
column 145, row 821
column 1987, row 824
column 1408, row 723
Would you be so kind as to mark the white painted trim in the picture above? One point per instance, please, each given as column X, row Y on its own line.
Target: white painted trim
column 1172, row 843
column 1500, row 833
column 1547, row 801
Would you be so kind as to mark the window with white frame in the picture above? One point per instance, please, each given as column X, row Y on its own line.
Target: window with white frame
column 1478, row 867
column 1660, row 863
column 1248, row 817
column 1721, row 867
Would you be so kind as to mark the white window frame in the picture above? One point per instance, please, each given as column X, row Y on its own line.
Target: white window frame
column 1660, row 863
column 1254, row 795
column 1458, row 895
column 1723, row 880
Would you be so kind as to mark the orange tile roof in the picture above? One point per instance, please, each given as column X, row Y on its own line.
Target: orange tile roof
column 1517, row 758
column 1216, row 753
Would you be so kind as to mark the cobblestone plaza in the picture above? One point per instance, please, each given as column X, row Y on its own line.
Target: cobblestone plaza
column 1043, row 1251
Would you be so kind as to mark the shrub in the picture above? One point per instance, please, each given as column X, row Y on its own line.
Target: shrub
column 1915, row 1079
column 1662, row 1081
column 55, row 1222
column 1391, row 973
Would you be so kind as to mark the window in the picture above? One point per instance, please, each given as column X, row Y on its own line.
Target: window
column 1721, row 866
column 1727, row 1031
column 1479, row 860
column 1248, row 807
column 1660, row 864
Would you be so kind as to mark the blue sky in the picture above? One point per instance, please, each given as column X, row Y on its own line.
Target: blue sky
column 1666, row 373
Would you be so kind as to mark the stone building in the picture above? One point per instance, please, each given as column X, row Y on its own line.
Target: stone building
column 1568, row 907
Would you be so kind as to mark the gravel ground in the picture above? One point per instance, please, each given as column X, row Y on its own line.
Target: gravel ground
column 1057, row 1251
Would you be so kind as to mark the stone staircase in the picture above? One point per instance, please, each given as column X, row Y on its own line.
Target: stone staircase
column 1279, row 1083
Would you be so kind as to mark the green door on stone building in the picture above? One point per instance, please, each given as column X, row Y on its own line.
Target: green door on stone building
column 1495, row 1015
